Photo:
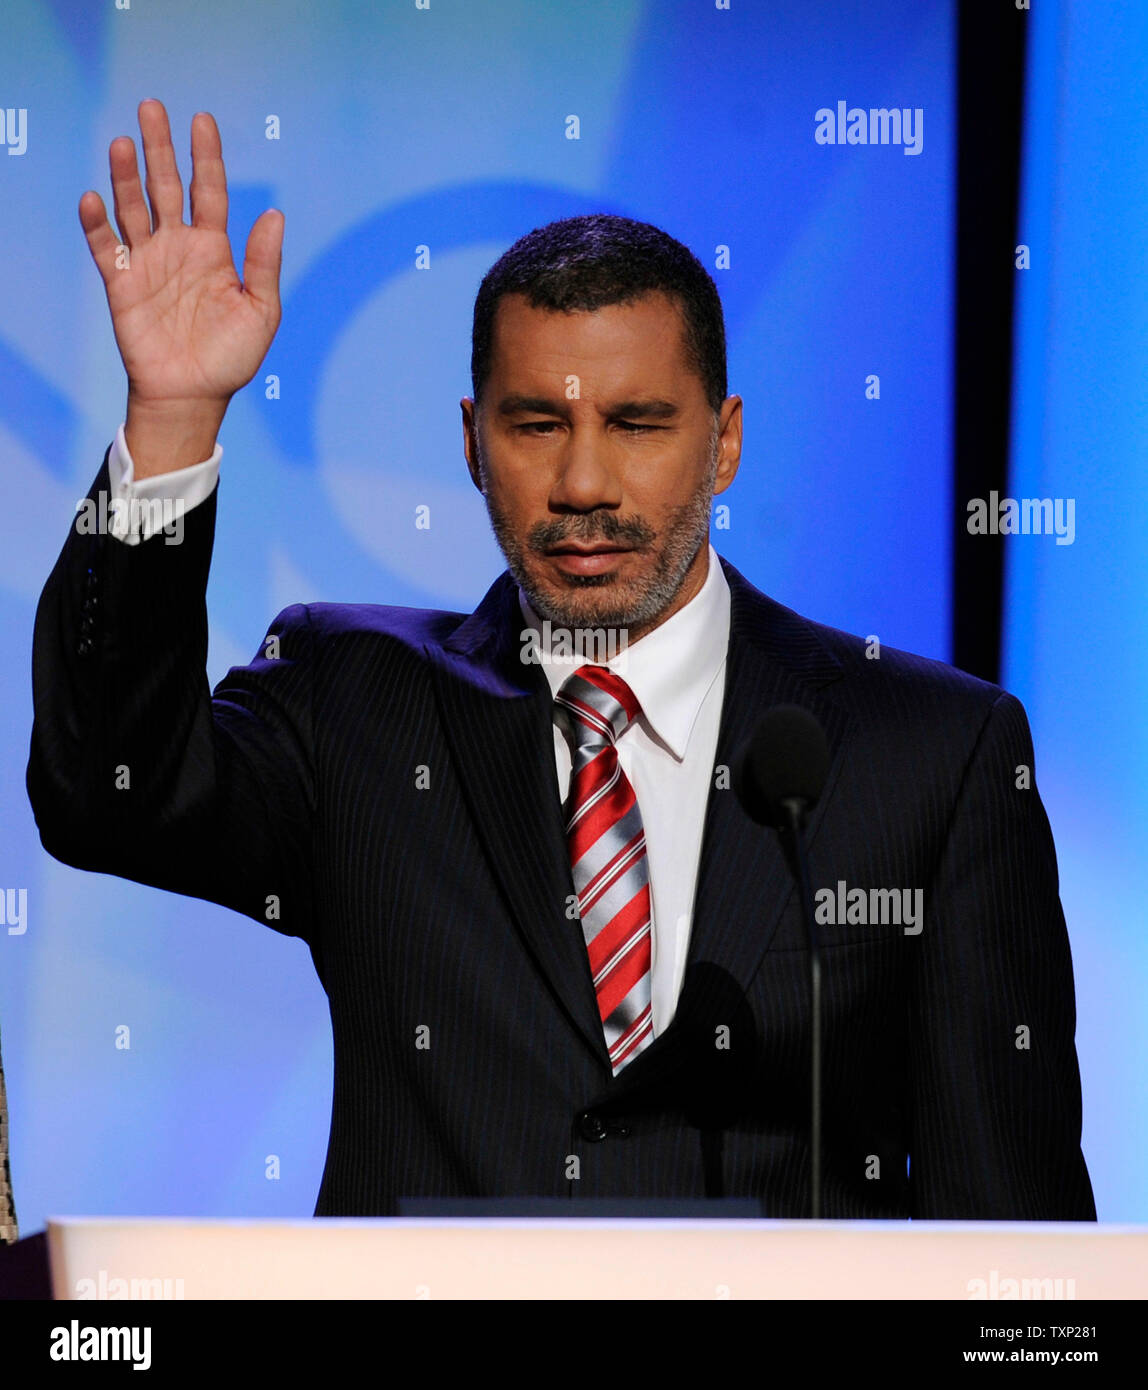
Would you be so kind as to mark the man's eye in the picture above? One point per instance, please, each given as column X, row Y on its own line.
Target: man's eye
column 536, row 426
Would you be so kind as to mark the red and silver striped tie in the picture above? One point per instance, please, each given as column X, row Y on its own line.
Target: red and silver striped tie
column 608, row 858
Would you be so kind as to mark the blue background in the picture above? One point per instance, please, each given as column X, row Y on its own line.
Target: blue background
column 1076, row 624
column 446, row 127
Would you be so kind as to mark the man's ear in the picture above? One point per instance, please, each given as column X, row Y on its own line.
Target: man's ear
column 470, row 439
column 730, row 422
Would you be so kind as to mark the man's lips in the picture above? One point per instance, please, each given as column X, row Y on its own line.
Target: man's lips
column 572, row 558
column 601, row 548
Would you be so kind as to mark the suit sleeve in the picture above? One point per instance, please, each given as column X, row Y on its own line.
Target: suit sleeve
column 996, row 1097
column 136, row 769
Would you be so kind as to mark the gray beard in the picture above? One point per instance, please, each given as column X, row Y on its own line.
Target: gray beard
column 686, row 532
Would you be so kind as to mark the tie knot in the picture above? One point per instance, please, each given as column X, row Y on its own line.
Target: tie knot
column 599, row 704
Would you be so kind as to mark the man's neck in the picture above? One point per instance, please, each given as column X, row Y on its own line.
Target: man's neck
column 691, row 585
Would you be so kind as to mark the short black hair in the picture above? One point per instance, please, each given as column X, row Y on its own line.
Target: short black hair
column 599, row 259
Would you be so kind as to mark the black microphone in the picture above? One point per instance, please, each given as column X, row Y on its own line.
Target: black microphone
column 778, row 776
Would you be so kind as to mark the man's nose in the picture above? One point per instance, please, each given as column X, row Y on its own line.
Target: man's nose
column 587, row 476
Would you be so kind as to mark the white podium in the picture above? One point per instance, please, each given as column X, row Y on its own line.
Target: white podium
column 446, row 1258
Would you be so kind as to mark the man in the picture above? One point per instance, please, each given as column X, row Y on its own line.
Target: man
column 9, row 1230
column 560, row 958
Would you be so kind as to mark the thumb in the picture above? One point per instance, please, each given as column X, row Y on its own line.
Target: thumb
column 263, row 258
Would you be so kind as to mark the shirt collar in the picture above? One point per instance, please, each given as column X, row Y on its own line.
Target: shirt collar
column 671, row 668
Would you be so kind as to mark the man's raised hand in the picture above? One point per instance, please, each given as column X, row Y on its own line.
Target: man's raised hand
column 189, row 331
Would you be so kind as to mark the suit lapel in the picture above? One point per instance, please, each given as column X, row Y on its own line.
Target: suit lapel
column 492, row 703
column 744, row 882
column 775, row 658
column 497, row 717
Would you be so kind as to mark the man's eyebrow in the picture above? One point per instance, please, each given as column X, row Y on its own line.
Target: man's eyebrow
column 652, row 409
column 536, row 405
column 649, row 409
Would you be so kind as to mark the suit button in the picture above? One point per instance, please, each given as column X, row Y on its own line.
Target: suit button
column 591, row 1126
column 83, row 647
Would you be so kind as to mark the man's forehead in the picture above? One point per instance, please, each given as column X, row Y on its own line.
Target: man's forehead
column 622, row 338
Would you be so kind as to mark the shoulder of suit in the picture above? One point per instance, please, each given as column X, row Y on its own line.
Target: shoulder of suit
column 868, row 659
column 788, row 633
column 413, row 628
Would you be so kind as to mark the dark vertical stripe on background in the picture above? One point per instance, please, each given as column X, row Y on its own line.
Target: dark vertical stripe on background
column 990, row 92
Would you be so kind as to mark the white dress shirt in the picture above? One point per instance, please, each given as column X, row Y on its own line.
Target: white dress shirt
column 677, row 673
column 190, row 485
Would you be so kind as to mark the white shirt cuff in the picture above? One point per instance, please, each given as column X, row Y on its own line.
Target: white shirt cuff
column 140, row 508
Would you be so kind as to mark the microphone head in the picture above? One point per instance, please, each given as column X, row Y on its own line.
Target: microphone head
column 786, row 758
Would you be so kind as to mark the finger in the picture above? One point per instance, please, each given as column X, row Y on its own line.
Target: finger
column 102, row 241
column 131, row 209
column 263, row 259
column 208, row 178
column 164, row 188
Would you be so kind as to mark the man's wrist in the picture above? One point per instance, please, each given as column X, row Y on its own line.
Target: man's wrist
column 163, row 436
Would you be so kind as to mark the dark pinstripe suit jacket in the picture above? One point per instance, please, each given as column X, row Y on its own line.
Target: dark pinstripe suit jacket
column 381, row 783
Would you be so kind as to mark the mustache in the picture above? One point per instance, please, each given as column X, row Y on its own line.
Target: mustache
column 603, row 526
